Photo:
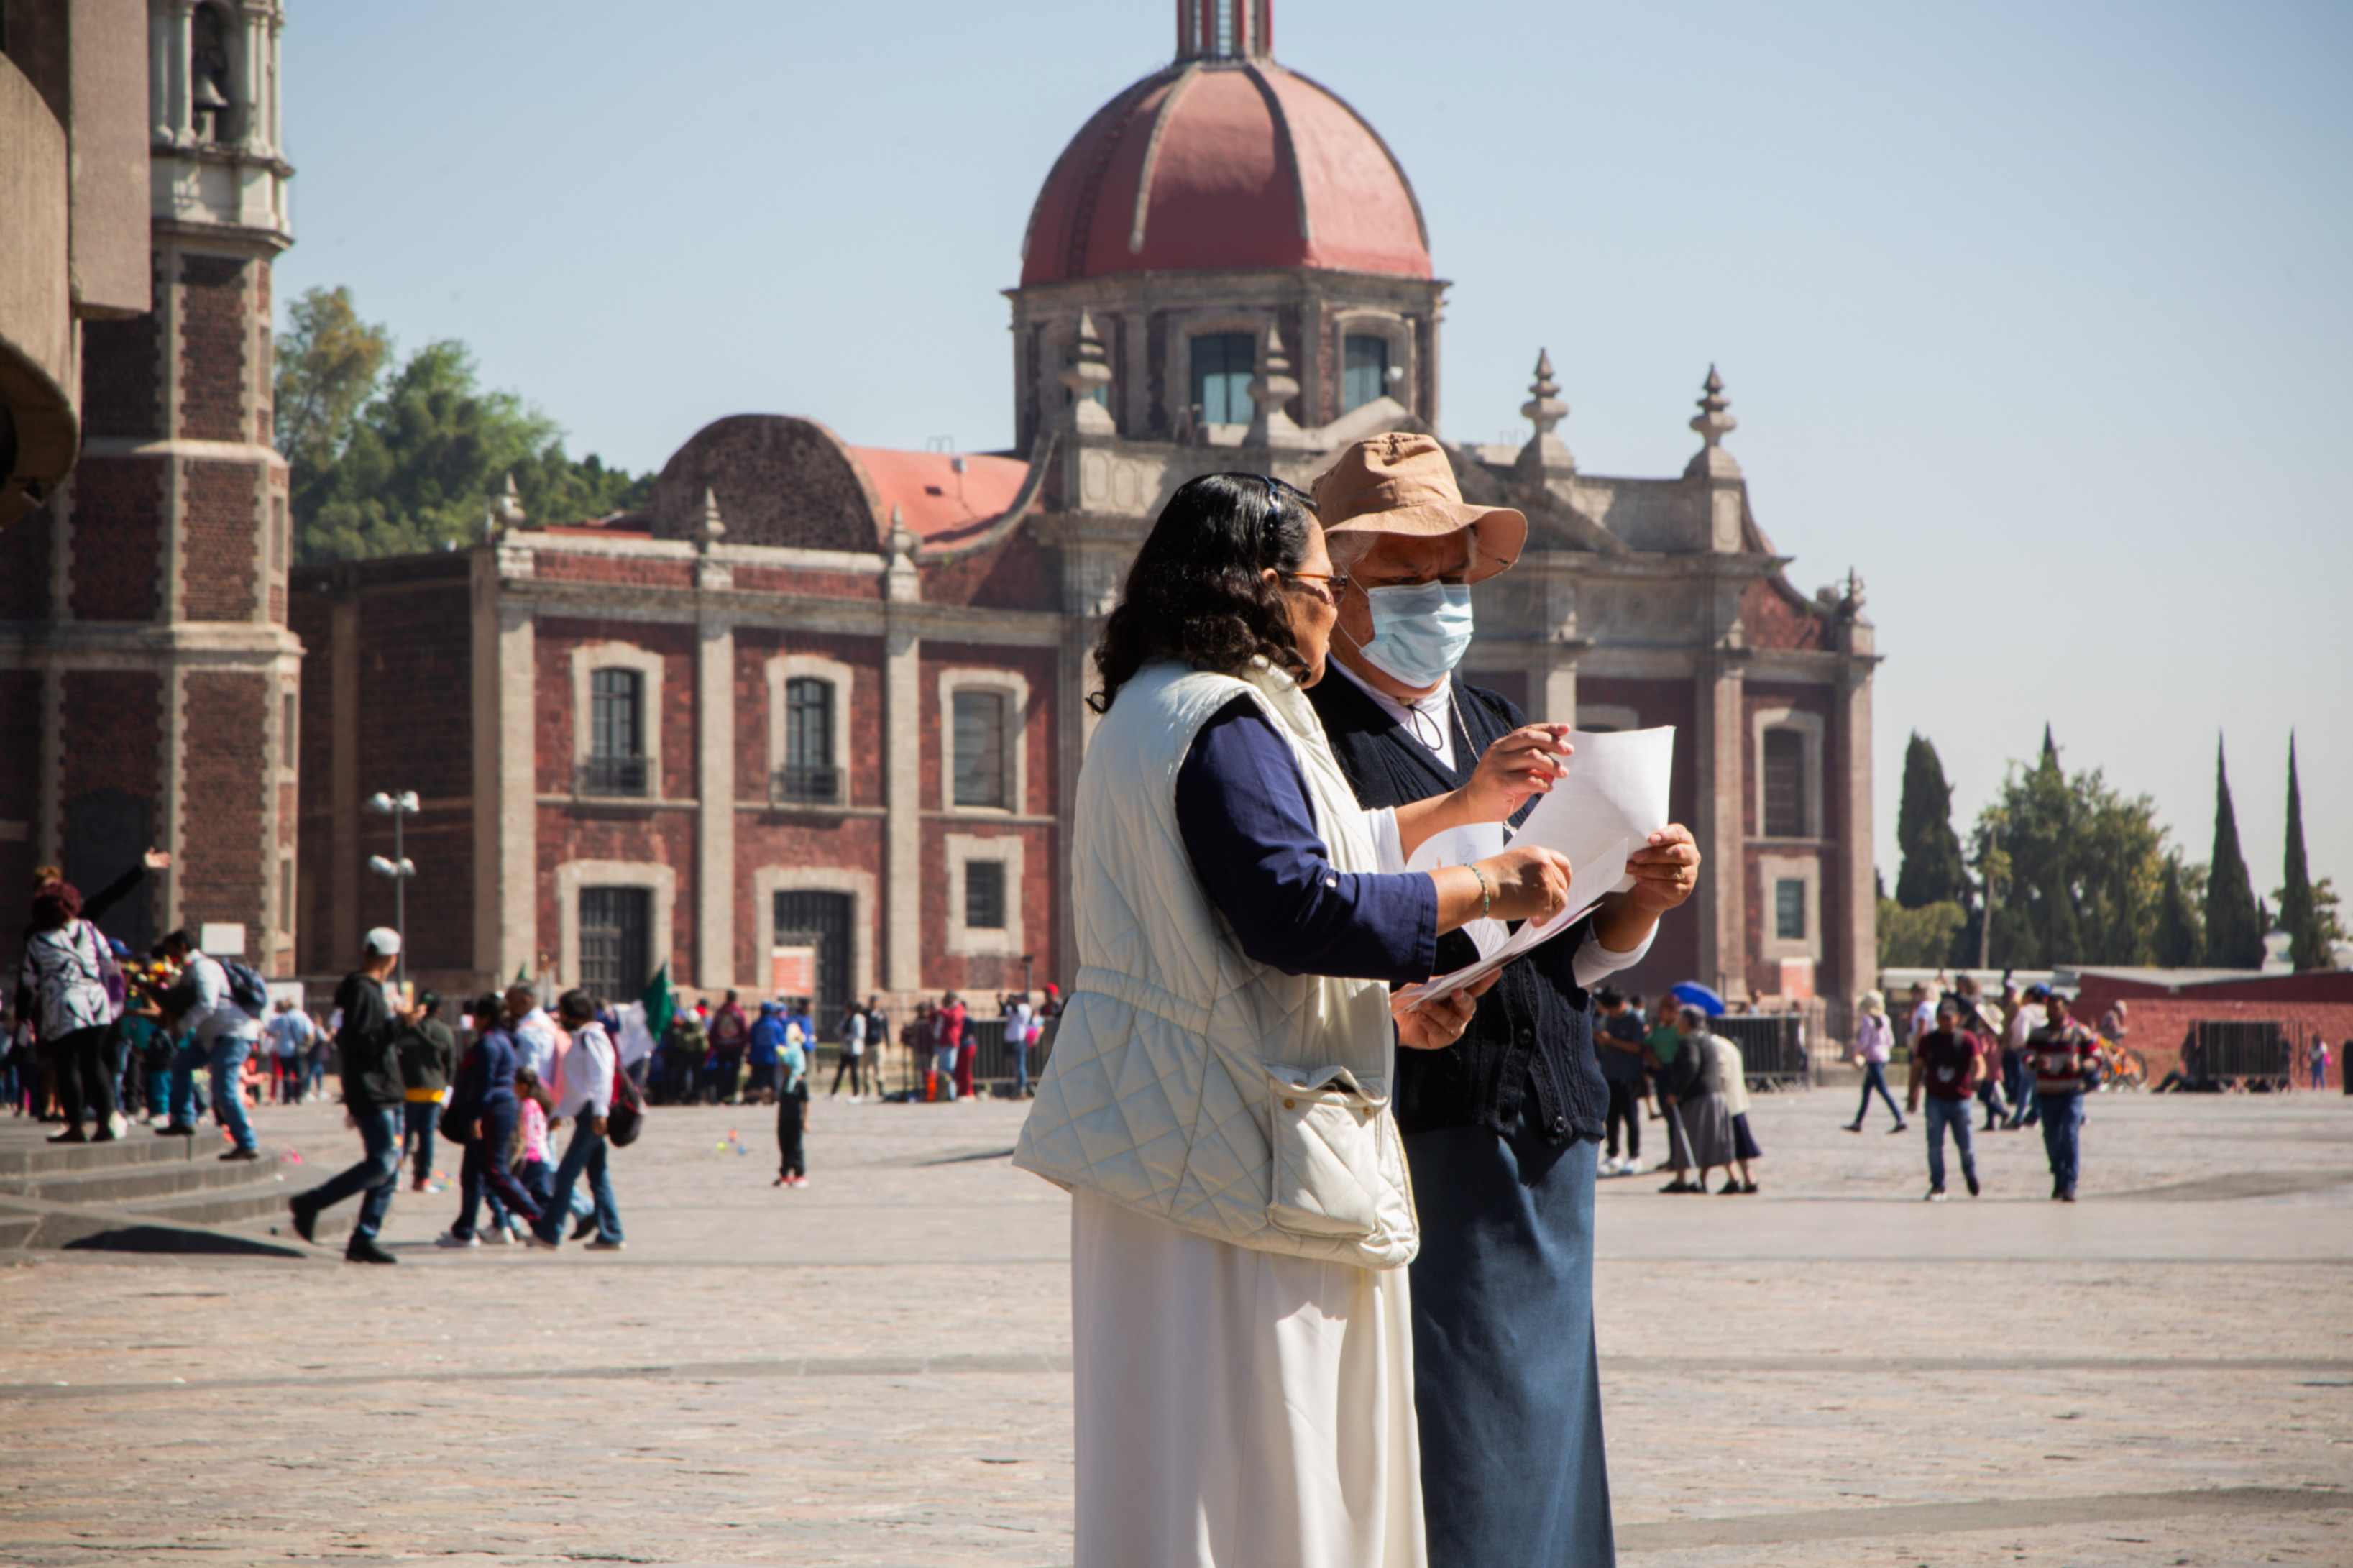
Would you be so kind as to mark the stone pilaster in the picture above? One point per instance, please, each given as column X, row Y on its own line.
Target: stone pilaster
column 1723, row 880
column 902, row 769
column 1857, row 959
column 715, row 840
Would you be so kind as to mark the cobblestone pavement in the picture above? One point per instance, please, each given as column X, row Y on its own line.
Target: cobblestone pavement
column 874, row 1370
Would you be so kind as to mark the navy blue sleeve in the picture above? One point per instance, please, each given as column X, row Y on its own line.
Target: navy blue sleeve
column 1241, row 806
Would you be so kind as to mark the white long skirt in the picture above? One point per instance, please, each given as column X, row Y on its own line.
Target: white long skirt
column 1236, row 1408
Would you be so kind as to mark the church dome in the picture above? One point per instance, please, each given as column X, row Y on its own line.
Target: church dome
column 1225, row 164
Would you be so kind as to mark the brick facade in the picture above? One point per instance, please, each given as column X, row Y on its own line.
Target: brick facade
column 118, row 539
column 220, row 532
column 222, row 871
column 216, row 328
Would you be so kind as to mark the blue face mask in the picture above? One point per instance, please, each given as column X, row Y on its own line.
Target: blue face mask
column 1420, row 631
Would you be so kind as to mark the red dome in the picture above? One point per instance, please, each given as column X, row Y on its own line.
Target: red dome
column 1224, row 165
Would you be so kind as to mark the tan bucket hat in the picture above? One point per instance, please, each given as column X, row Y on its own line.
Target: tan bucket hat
column 1399, row 483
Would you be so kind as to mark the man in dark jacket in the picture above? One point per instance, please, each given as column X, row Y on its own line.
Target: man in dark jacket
column 428, row 1059
column 375, row 1094
column 1503, row 1129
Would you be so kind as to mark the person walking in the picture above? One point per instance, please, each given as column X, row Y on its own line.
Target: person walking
column 853, row 1060
column 792, row 1113
column 1732, row 1069
column 429, row 1061
column 727, row 1055
column 731, row 1032
column 218, row 1033
column 1947, row 1062
column 1673, row 1069
column 374, row 1095
column 533, row 1032
column 290, row 1033
column 483, row 1106
column 1243, row 1321
column 1874, row 1044
column 765, row 1048
column 1018, row 1021
column 1620, row 1044
column 2065, row 1056
column 959, row 1030
column 61, row 986
column 1700, row 1104
column 2018, row 1030
column 584, row 1096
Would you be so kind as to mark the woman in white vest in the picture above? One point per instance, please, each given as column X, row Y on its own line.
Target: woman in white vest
column 1218, row 1099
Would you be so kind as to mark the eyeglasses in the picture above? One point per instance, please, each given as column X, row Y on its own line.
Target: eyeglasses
column 1328, row 585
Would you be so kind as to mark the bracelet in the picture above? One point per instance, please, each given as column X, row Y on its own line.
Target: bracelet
column 1486, row 894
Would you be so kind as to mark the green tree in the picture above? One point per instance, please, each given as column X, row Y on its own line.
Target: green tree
column 2179, row 938
column 2074, row 868
column 1931, row 872
column 2234, row 934
column 1921, row 938
column 329, row 362
column 410, row 464
column 2308, row 946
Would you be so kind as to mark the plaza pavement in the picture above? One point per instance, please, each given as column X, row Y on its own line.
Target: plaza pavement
column 874, row 1370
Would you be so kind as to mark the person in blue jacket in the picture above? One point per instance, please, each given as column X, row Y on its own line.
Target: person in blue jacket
column 484, row 1101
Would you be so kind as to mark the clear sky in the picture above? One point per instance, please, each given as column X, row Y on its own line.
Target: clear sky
column 2035, row 314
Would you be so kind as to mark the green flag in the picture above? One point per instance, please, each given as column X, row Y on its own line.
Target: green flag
column 659, row 1003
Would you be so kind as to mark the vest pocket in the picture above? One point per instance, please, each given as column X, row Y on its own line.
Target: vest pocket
column 1325, row 1133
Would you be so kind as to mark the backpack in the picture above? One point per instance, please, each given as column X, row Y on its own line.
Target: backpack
column 245, row 987
column 626, row 1117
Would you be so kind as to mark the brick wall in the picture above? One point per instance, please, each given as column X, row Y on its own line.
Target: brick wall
column 121, row 376
column 415, row 668
column 817, row 584
column 1035, row 664
column 1040, row 879
column 1771, row 621
column 1509, row 683
column 220, row 536
column 214, row 319
column 219, row 867
column 661, row 837
column 441, row 897
column 554, row 719
column 1674, row 954
column 634, row 570
column 24, row 565
column 114, row 733
column 1018, row 574
column 117, row 539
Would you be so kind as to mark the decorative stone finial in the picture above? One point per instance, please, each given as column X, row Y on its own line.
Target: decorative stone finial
column 1851, row 602
column 1088, row 375
column 1270, row 389
column 1545, row 410
column 1714, row 423
column 709, row 528
column 505, row 512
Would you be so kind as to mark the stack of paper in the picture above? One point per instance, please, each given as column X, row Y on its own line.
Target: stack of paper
column 1613, row 799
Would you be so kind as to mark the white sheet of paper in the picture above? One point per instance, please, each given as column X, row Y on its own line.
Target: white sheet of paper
column 1614, row 799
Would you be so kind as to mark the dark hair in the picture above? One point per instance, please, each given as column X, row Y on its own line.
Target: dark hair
column 576, row 1003
column 489, row 1004
column 169, row 937
column 55, row 905
column 1196, row 593
column 1609, row 996
column 428, row 1003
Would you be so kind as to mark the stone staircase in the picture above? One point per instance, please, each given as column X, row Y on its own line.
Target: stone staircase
column 139, row 1193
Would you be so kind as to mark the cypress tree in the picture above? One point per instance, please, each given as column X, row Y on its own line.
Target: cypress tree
column 2306, row 949
column 2234, row 937
column 1931, row 872
column 2177, row 920
column 2050, row 750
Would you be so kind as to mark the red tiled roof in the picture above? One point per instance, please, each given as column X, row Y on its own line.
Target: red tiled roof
column 1217, row 165
column 938, row 503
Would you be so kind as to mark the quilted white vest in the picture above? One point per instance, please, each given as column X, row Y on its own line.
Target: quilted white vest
column 1188, row 1081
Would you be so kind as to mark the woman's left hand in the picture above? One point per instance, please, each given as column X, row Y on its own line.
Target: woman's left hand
column 1527, row 761
column 1434, row 1026
column 1665, row 871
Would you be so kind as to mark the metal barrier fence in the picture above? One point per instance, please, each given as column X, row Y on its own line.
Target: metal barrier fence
column 992, row 1060
column 1773, row 1049
column 2252, row 1051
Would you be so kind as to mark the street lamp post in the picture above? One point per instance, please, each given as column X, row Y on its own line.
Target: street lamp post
column 400, row 867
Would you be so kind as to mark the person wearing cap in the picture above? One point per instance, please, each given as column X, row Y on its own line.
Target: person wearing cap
column 1502, row 1131
column 1219, row 1098
column 377, row 1096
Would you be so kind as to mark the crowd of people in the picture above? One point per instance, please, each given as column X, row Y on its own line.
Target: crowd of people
column 1678, row 1071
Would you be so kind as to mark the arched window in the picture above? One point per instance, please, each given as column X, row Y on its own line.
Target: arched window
column 811, row 772
column 1223, row 363
column 1366, row 373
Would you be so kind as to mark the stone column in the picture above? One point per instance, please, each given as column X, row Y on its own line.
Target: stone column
column 902, row 769
column 715, row 843
column 1856, row 962
column 1718, row 713
column 180, row 94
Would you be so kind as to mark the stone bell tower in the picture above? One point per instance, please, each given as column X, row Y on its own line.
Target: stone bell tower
column 145, row 613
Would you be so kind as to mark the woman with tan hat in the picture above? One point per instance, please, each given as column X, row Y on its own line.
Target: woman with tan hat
column 1218, row 1101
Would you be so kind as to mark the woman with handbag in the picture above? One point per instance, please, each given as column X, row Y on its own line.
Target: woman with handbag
column 65, row 989
column 1217, row 1097
column 481, row 1116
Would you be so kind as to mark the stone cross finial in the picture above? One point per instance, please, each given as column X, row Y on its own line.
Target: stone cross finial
column 1851, row 601
column 1545, row 410
column 1270, row 389
column 1714, row 423
column 1088, row 372
column 709, row 529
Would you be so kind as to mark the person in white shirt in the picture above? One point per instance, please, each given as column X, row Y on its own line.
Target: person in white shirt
column 219, row 1033
column 535, row 1045
column 290, row 1031
column 853, row 1057
column 584, row 1096
column 1019, row 1022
